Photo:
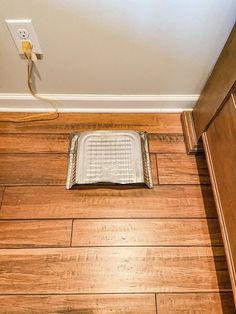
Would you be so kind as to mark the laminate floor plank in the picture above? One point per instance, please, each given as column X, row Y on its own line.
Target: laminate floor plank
column 167, row 143
column 58, row 143
column 79, row 304
column 174, row 201
column 33, row 169
column 71, row 122
column 202, row 303
column 154, row 168
column 34, row 143
column 39, row 169
column 153, row 232
column 113, row 270
column 1, row 195
column 182, row 169
column 30, row 233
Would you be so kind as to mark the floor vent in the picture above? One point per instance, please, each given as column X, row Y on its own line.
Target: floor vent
column 109, row 158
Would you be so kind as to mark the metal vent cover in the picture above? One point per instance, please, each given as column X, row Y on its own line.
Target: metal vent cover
column 109, row 158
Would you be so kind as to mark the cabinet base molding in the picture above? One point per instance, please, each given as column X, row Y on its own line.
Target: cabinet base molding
column 223, row 228
column 193, row 146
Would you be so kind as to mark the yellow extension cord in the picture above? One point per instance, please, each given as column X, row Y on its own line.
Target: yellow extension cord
column 31, row 58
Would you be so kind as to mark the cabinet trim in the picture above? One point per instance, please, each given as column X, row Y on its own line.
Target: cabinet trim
column 191, row 142
column 219, row 208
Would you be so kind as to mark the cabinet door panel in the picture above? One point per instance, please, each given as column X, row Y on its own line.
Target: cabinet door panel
column 217, row 87
column 220, row 143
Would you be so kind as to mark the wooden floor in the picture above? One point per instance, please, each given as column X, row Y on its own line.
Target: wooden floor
column 124, row 251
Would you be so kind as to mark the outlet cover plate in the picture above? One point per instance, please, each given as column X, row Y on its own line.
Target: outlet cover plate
column 15, row 25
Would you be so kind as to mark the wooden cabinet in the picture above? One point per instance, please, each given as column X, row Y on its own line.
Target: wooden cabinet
column 220, row 146
column 217, row 87
column 214, row 119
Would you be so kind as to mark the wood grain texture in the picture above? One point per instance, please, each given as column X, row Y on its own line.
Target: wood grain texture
column 113, row 270
column 182, row 169
column 141, row 232
column 125, row 241
column 180, row 201
column 40, row 169
column 1, row 195
column 220, row 145
column 33, row 169
column 79, row 304
column 58, row 143
column 217, row 87
column 202, row 303
column 44, row 233
column 70, row 122
column 34, row 143
column 153, row 160
column 192, row 144
column 166, row 143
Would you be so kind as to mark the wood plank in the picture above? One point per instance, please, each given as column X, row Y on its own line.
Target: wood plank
column 182, row 169
column 180, row 201
column 38, row 169
column 30, row 169
column 80, row 304
column 58, row 143
column 146, row 232
column 34, row 143
column 153, row 160
column 70, row 122
column 113, row 270
column 30, row 233
column 166, row 143
column 202, row 303
column 1, row 194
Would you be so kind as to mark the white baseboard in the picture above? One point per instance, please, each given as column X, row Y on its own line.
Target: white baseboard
column 12, row 102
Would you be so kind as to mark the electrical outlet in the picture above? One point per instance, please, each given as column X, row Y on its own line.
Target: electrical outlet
column 22, row 33
column 23, row 30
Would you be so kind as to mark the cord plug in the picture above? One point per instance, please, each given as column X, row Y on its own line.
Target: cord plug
column 27, row 49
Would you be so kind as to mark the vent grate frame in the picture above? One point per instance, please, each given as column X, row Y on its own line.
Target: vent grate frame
column 102, row 154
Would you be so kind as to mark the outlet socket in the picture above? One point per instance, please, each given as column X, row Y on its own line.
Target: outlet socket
column 22, row 30
column 22, row 33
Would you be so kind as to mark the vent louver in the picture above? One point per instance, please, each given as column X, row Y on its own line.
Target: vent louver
column 109, row 158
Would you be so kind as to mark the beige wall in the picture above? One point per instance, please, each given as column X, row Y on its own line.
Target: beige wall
column 117, row 46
